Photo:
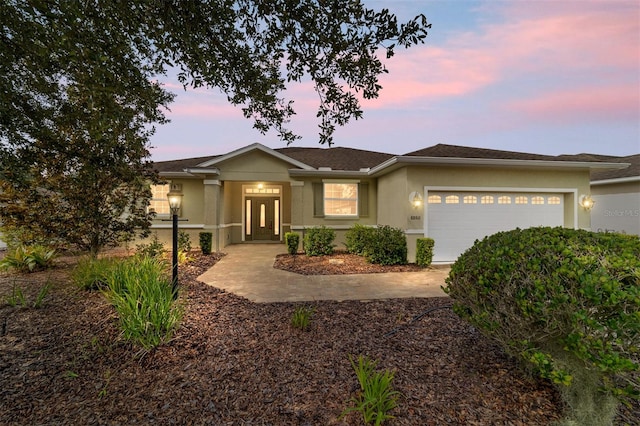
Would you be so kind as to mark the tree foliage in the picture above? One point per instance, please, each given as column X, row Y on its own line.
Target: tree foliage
column 79, row 94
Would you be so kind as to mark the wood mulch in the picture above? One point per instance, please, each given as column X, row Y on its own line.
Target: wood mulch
column 338, row 263
column 234, row 362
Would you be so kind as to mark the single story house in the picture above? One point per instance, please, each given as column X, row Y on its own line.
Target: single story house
column 452, row 194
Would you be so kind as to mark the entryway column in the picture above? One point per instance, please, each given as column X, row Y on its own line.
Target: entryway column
column 212, row 209
column 297, row 205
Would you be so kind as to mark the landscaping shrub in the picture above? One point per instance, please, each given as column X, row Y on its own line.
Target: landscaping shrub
column 141, row 292
column 319, row 241
column 153, row 249
column 91, row 273
column 205, row 242
column 387, row 247
column 358, row 237
column 29, row 258
column 564, row 301
column 424, row 251
column 184, row 247
column 292, row 240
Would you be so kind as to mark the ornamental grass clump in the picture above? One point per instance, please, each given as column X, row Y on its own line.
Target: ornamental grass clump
column 301, row 317
column 376, row 397
column 140, row 290
column 566, row 303
column 92, row 273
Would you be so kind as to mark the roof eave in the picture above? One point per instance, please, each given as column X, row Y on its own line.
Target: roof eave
column 202, row 171
column 328, row 173
column 493, row 162
column 260, row 147
column 615, row 180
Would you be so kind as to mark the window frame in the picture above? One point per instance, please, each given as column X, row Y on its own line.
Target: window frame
column 355, row 200
column 164, row 200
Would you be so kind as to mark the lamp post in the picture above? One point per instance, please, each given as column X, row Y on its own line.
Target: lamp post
column 175, row 200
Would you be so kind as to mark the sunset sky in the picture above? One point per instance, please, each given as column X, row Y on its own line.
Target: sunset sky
column 541, row 76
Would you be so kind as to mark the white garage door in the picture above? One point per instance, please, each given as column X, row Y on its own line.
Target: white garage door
column 456, row 219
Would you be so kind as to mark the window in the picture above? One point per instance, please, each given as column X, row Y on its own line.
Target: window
column 341, row 199
column 486, row 199
column 505, row 199
column 434, row 199
column 553, row 200
column 537, row 200
column 159, row 202
column 452, row 199
column 470, row 199
column 522, row 200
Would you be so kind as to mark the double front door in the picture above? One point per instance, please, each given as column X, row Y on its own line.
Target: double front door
column 262, row 218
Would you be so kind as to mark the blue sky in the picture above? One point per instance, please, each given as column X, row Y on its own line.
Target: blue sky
column 542, row 76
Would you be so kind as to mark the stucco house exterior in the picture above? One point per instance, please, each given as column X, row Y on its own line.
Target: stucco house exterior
column 452, row 194
column 616, row 193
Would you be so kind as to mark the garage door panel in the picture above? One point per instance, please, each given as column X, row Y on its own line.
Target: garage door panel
column 455, row 226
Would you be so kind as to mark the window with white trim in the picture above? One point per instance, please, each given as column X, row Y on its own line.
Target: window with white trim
column 452, row 199
column 341, row 199
column 521, row 199
column 470, row 199
column 159, row 202
column 537, row 200
column 504, row 199
column 486, row 199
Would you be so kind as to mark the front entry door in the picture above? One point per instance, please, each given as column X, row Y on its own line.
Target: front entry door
column 265, row 218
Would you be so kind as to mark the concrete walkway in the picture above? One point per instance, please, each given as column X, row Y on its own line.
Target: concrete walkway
column 247, row 270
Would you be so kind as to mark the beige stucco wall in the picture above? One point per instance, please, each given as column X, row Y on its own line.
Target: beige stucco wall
column 394, row 208
column 616, row 208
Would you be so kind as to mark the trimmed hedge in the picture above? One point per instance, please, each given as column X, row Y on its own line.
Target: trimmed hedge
column 318, row 241
column 565, row 302
column 388, row 246
column 205, row 242
column 292, row 240
column 424, row 251
column 358, row 237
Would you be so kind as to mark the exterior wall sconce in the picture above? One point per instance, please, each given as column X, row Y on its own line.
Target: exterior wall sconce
column 586, row 202
column 175, row 201
column 415, row 199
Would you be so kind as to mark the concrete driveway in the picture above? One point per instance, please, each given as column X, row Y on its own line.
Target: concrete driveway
column 247, row 270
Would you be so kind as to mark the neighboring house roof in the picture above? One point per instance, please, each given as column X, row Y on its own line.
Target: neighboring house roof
column 350, row 161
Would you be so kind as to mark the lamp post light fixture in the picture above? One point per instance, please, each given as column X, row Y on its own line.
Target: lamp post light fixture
column 175, row 201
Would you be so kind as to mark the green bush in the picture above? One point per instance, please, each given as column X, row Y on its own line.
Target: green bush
column 153, row 249
column 205, row 242
column 91, row 273
column 29, row 258
column 564, row 301
column 424, row 251
column 387, row 247
column 292, row 240
column 358, row 238
column 319, row 241
column 141, row 292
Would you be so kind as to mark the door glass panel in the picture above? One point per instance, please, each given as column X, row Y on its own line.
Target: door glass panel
column 276, row 217
column 248, row 217
column 263, row 215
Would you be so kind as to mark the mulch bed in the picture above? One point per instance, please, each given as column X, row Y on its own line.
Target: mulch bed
column 233, row 362
column 338, row 263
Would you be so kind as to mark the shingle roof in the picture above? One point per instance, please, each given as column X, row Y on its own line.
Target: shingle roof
column 632, row 171
column 454, row 151
column 350, row 159
column 338, row 158
column 180, row 165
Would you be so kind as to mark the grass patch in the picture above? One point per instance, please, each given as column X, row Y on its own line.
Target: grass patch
column 140, row 290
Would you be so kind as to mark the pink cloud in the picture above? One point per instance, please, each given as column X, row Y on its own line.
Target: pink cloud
column 604, row 103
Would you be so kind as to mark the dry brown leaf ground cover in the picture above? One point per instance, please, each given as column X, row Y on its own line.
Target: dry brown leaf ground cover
column 233, row 362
